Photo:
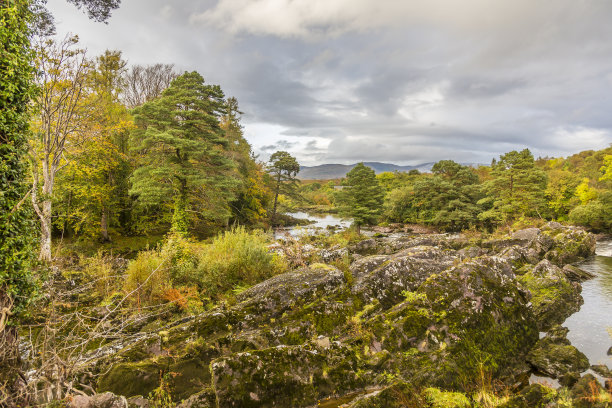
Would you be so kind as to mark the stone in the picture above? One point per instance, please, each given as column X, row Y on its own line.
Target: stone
column 103, row 400
column 555, row 357
column 365, row 247
column 576, row 274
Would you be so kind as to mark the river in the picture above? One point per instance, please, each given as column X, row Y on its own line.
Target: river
column 589, row 327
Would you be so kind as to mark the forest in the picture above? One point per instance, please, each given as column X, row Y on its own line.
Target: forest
column 138, row 257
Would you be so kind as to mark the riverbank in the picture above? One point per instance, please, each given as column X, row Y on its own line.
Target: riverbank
column 375, row 322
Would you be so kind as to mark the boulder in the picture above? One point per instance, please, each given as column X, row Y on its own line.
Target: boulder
column 554, row 297
column 103, row 400
column 555, row 357
column 576, row 274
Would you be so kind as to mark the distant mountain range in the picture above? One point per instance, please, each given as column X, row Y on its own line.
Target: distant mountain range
column 334, row 171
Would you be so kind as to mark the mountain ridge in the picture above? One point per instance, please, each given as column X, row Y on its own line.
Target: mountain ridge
column 330, row 171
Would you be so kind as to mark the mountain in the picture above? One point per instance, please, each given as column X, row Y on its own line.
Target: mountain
column 334, row 171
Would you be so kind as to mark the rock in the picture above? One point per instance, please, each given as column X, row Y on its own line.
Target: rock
column 138, row 402
column 473, row 309
column 398, row 395
column 609, row 352
column 527, row 234
column 365, row 247
column 104, row 400
column 285, row 376
column 554, row 297
column 576, row 274
column 571, row 245
column 602, row 370
column 367, row 264
column 555, row 357
column 329, row 255
column 203, row 399
column 532, row 396
column 386, row 283
column 586, row 393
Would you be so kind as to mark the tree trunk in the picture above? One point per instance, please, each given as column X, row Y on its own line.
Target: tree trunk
column 13, row 391
column 358, row 226
column 276, row 199
column 45, row 232
column 104, row 225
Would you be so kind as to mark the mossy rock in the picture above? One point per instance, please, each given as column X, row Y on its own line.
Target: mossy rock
column 532, row 396
column 555, row 357
column 570, row 245
column 553, row 296
column 398, row 395
column 588, row 393
column 286, row 376
column 131, row 379
column 437, row 398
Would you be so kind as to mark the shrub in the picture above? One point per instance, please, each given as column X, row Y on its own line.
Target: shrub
column 99, row 269
column 148, row 277
column 236, row 258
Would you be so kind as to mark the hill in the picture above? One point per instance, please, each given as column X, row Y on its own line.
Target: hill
column 334, row 171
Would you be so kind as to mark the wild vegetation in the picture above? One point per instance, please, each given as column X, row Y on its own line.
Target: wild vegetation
column 158, row 275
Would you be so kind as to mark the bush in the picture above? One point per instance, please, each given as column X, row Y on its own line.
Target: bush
column 100, row 271
column 148, row 277
column 236, row 258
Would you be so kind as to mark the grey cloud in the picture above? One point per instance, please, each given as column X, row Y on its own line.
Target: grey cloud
column 401, row 81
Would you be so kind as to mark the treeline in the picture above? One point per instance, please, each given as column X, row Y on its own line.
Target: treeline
column 515, row 188
column 118, row 151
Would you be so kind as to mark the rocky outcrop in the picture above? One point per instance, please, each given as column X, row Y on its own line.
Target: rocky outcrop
column 555, row 357
column 432, row 311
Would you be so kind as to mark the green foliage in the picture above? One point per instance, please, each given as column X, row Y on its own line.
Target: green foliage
column 282, row 168
column 448, row 199
column 236, row 258
column 446, row 399
column 17, row 283
column 362, row 196
column 148, row 277
column 516, row 189
column 182, row 151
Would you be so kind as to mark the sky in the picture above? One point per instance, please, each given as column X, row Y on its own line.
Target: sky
column 405, row 82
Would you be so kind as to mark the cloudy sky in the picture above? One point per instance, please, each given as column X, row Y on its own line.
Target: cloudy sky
column 341, row 81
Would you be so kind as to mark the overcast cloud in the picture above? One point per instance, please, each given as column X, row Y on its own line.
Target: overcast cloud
column 385, row 80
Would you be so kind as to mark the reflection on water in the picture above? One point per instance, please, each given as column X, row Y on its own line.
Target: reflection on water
column 589, row 326
column 321, row 223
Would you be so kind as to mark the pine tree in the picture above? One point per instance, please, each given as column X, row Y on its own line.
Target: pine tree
column 182, row 152
column 362, row 196
column 283, row 168
column 516, row 190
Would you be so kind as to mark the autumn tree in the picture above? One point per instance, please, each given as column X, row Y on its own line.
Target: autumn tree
column 92, row 190
column 362, row 196
column 283, row 168
column 182, row 152
column 252, row 195
column 61, row 113
column 144, row 83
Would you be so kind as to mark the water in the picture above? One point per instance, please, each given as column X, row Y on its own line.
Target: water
column 588, row 328
column 321, row 223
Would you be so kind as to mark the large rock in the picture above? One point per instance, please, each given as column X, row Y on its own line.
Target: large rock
column 103, row 400
column 554, row 297
column 286, row 376
column 555, row 357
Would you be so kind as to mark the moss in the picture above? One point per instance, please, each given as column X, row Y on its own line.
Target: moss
column 444, row 399
column 130, row 379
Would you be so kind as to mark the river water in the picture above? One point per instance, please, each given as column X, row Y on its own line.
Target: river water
column 588, row 328
column 321, row 224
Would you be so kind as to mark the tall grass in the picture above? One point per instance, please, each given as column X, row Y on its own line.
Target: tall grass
column 234, row 259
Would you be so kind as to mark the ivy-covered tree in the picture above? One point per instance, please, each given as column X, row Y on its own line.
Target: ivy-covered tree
column 283, row 168
column 362, row 196
column 182, row 154
column 16, row 219
column 516, row 189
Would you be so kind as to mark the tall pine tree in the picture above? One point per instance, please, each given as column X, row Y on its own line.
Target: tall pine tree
column 362, row 196
column 182, row 152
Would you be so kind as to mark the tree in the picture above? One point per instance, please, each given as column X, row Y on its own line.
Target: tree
column 17, row 283
column 283, row 168
column 145, row 83
column 61, row 115
column 516, row 189
column 182, row 152
column 252, row 195
column 94, row 185
column 362, row 196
